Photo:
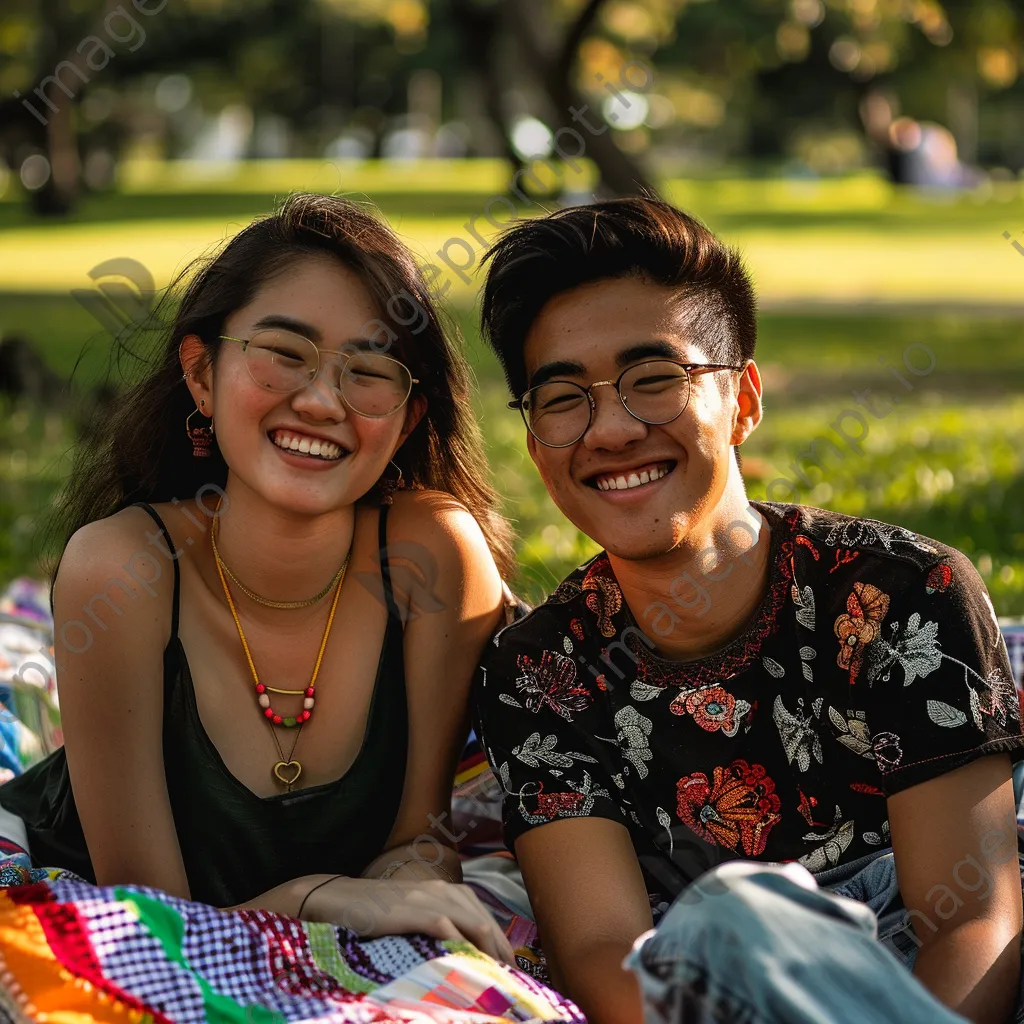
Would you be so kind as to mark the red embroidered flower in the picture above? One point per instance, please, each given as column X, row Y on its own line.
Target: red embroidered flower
column 711, row 708
column 551, row 805
column 866, row 607
column 938, row 579
column 736, row 810
column 577, row 628
column 552, row 683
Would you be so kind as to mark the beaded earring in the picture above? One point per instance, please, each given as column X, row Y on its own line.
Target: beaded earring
column 201, row 436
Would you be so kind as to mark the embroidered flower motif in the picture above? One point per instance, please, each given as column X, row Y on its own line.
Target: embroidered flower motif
column 534, row 751
column 633, row 730
column 737, row 809
column 836, row 841
column 1001, row 700
column 887, row 749
column 712, row 708
column 867, row 533
column 806, row 808
column 577, row 628
column 576, row 801
column 558, row 805
column 938, row 579
column 844, row 558
column 552, row 683
column 604, row 598
column 916, row 648
column 865, row 609
column 854, row 734
column 798, row 733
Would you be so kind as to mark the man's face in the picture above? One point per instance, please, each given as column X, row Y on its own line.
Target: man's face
column 593, row 333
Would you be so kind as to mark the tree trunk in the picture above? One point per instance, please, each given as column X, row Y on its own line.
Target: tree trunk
column 620, row 174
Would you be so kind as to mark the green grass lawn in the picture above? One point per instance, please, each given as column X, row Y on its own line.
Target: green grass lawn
column 852, row 274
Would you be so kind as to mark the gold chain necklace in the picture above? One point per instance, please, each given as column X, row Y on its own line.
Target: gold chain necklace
column 286, row 772
column 221, row 564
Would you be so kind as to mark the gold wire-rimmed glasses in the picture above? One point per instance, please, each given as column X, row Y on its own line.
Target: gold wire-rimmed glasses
column 559, row 412
column 369, row 383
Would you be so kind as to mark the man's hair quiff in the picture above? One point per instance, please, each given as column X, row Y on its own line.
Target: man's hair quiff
column 636, row 237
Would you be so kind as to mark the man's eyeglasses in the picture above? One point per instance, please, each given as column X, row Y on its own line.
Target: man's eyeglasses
column 560, row 412
column 369, row 383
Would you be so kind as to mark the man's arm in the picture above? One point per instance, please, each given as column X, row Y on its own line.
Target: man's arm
column 590, row 903
column 955, row 844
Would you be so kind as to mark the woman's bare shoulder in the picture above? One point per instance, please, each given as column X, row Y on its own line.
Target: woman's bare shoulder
column 109, row 565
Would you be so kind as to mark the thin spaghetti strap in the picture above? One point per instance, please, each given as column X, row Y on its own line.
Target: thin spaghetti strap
column 155, row 516
column 385, row 567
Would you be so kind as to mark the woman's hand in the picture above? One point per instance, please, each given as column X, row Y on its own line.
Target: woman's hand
column 372, row 907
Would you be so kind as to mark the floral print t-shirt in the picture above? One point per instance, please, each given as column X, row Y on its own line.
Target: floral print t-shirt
column 873, row 663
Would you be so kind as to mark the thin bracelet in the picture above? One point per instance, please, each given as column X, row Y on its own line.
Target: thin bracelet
column 314, row 889
column 396, row 864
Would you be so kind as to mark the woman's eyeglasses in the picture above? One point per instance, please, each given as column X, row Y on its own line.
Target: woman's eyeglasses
column 560, row 412
column 369, row 383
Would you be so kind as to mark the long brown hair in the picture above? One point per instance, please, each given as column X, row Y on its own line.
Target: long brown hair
column 140, row 451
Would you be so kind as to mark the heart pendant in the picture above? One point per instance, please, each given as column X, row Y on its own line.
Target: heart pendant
column 282, row 770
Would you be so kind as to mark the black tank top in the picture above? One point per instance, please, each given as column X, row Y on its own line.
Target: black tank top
column 236, row 845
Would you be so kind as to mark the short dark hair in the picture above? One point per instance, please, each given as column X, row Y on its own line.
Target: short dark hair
column 637, row 237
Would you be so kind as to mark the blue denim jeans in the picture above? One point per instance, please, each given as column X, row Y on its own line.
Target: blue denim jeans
column 751, row 943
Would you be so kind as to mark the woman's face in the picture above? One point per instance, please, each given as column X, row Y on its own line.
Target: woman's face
column 256, row 429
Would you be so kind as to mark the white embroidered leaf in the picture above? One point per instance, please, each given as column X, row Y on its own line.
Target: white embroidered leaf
column 548, row 743
column 581, row 757
column 872, row 839
column 805, row 614
column 807, row 653
column 663, row 819
column 773, row 668
column 643, row 691
column 566, row 645
column 857, row 745
column 554, row 771
column 975, row 706
column 945, row 715
column 506, row 699
column 806, row 669
column 837, row 720
column 816, row 706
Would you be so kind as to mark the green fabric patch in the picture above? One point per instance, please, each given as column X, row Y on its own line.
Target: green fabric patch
column 327, row 956
column 166, row 925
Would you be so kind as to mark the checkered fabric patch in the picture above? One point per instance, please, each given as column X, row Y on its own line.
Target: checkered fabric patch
column 134, row 960
column 233, row 955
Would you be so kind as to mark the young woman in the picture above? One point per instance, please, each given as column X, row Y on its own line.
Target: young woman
column 264, row 654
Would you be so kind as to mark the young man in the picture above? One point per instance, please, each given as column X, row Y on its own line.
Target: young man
column 730, row 681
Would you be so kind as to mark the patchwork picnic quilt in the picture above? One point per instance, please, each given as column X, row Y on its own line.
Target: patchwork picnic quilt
column 75, row 952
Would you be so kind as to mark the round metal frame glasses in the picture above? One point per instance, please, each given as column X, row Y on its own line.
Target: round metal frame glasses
column 639, row 375
column 296, row 362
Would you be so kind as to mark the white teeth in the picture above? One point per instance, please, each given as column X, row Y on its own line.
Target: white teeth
column 622, row 483
column 316, row 447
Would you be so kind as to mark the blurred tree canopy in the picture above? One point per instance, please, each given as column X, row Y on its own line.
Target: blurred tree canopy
column 681, row 83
